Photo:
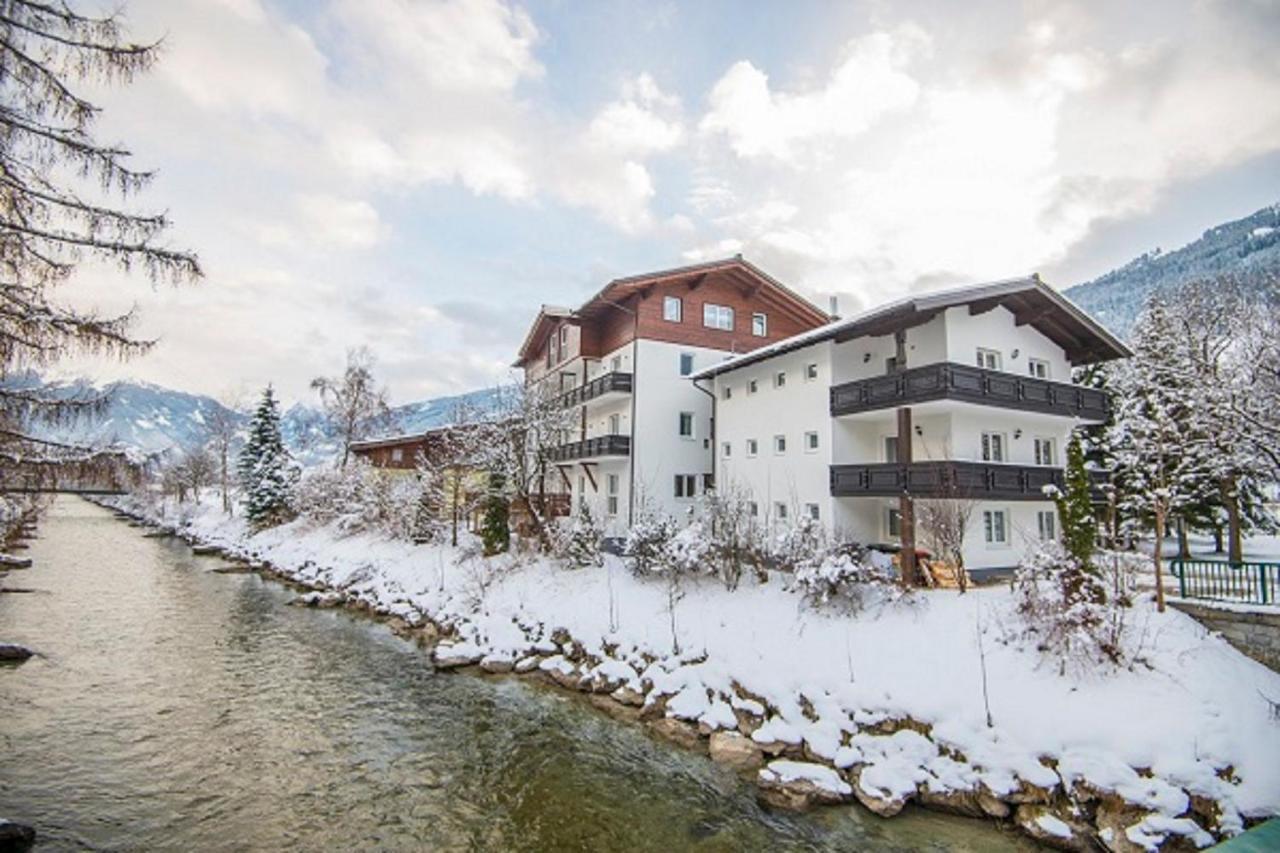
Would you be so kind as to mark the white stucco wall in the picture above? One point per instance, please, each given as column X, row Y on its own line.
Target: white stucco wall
column 996, row 330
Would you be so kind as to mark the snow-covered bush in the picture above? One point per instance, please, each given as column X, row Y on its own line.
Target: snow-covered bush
column 646, row 542
column 797, row 546
column 359, row 498
column 1068, row 612
column 736, row 539
column 847, row 578
column 579, row 545
column 688, row 553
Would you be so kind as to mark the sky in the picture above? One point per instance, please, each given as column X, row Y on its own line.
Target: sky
column 418, row 176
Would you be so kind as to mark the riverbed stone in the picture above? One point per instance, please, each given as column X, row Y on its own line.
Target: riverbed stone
column 527, row 664
column 884, row 806
column 963, row 803
column 1054, row 828
column 991, row 805
column 454, row 657
column 781, row 790
column 676, row 731
column 624, row 713
column 14, row 652
column 733, row 750
column 628, row 696
column 16, row 836
column 497, row 665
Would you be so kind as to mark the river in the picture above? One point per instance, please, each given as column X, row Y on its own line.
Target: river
column 175, row 708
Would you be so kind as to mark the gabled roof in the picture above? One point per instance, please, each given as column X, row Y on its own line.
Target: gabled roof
column 1032, row 302
column 737, row 269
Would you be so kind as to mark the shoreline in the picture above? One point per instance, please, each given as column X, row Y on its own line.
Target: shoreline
column 751, row 736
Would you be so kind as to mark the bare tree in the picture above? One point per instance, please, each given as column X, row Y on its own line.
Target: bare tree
column 943, row 524
column 48, row 157
column 353, row 402
column 223, row 424
column 198, row 470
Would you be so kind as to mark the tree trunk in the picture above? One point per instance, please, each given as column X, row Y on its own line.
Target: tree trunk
column 1218, row 541
column 1184, row 544
column 1235, row 537
column 226, row 493
column 1159, row 557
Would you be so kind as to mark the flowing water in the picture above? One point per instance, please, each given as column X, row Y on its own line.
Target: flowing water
column 172, row 707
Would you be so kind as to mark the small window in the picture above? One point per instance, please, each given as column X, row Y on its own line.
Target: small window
column 810, row 442
column 780, row 511
column 708, row 483
column 812, row 511
column 564, row 337
column 615, row 364
column 672, row 309
column 582, row 485
column 752, row 386
column 1044, row 451
column 988, row 359
column 726, row 393
column 397, row 454
column 779, row 444
column 1038, row 367
column 891, row 364
column 995, row 526
column 753, row 447
column 717, row 317
column 753, row 509
column 993, row 447
column 615, row 424
column 1047, row 524
column 726, row 449
column 550, row 357
column 780, row 379
column 686, row 424
column 890, row 448
column 686, row 486
column 810, row 372
column 759, row 325
column 686, row 363
column 893, row 523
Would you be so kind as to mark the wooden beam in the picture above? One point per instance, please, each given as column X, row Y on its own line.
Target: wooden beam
column 563, row 476
column 697, row 282
column 982, row 306
column 1033, row 317
column 586, row 469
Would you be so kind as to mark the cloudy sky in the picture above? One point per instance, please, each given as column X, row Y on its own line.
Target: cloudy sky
column 418, row 176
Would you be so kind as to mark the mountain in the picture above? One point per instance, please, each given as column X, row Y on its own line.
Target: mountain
column 1248, row 247
column 154, row 420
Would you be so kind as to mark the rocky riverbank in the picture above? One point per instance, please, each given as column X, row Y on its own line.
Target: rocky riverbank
column 801, row 754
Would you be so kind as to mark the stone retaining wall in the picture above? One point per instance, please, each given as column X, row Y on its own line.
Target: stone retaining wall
column 1255, row 634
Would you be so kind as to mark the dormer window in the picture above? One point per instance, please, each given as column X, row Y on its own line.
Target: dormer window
column 759, row 325
column 717, row 317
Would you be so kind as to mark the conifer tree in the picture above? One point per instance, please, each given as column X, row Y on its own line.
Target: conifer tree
column 1075, row 507
column 267, row 473
column 495, row 529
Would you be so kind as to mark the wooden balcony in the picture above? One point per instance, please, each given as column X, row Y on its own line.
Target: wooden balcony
column 950, row 381
column 962, row 480
column 608, row 383
column 589, row 448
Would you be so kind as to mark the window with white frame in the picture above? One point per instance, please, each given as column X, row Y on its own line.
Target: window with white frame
column 717, row 316
column 759, row 325
column 780, row 379
column 810, row 442
column 686, row 363
column 672, row 309
column 780, row 511
column 726, row 449
column 397, row 454
column 564, row 337
column 1044, row 451
column 615, row 424
column 892, row 522
column 686, row 424
column 812, row 511
column 1047, row 524
column 686, row 485
column 993, row 447
column 890, row 448
column 726, row 393
column 615, row 364
column 779, row 445
column 891, row 364
column 1038, row 367
column 582, row 486
column 611, row 494
column 753, row 447
column 753, row 509
column 988, row 359
column 995, row 527
column 752, row 386
column 810, row 371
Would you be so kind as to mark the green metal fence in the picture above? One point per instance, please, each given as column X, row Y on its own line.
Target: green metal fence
column 1247, row 583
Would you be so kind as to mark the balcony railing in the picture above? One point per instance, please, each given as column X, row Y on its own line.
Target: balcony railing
column 600, row 445
column 598, row 387
column 951, row 381
column 961, row 480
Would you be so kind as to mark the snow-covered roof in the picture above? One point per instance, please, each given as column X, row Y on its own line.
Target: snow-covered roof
column 1084, row 338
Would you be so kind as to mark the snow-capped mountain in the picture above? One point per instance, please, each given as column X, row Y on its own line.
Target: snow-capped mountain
column 1249, row 247
column 154, row 420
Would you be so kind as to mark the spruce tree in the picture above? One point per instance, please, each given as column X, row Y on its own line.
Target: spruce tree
column 267, row 473
column 1075, row 508
column 495, row 529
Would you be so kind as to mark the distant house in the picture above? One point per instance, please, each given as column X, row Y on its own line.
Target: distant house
column 622, row 362
column 962, row 394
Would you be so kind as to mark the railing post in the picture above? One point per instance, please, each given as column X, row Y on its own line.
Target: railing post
column 1180, row 570
column 1262, row 581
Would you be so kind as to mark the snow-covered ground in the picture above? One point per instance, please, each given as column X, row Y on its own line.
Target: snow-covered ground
column 1189, row 718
